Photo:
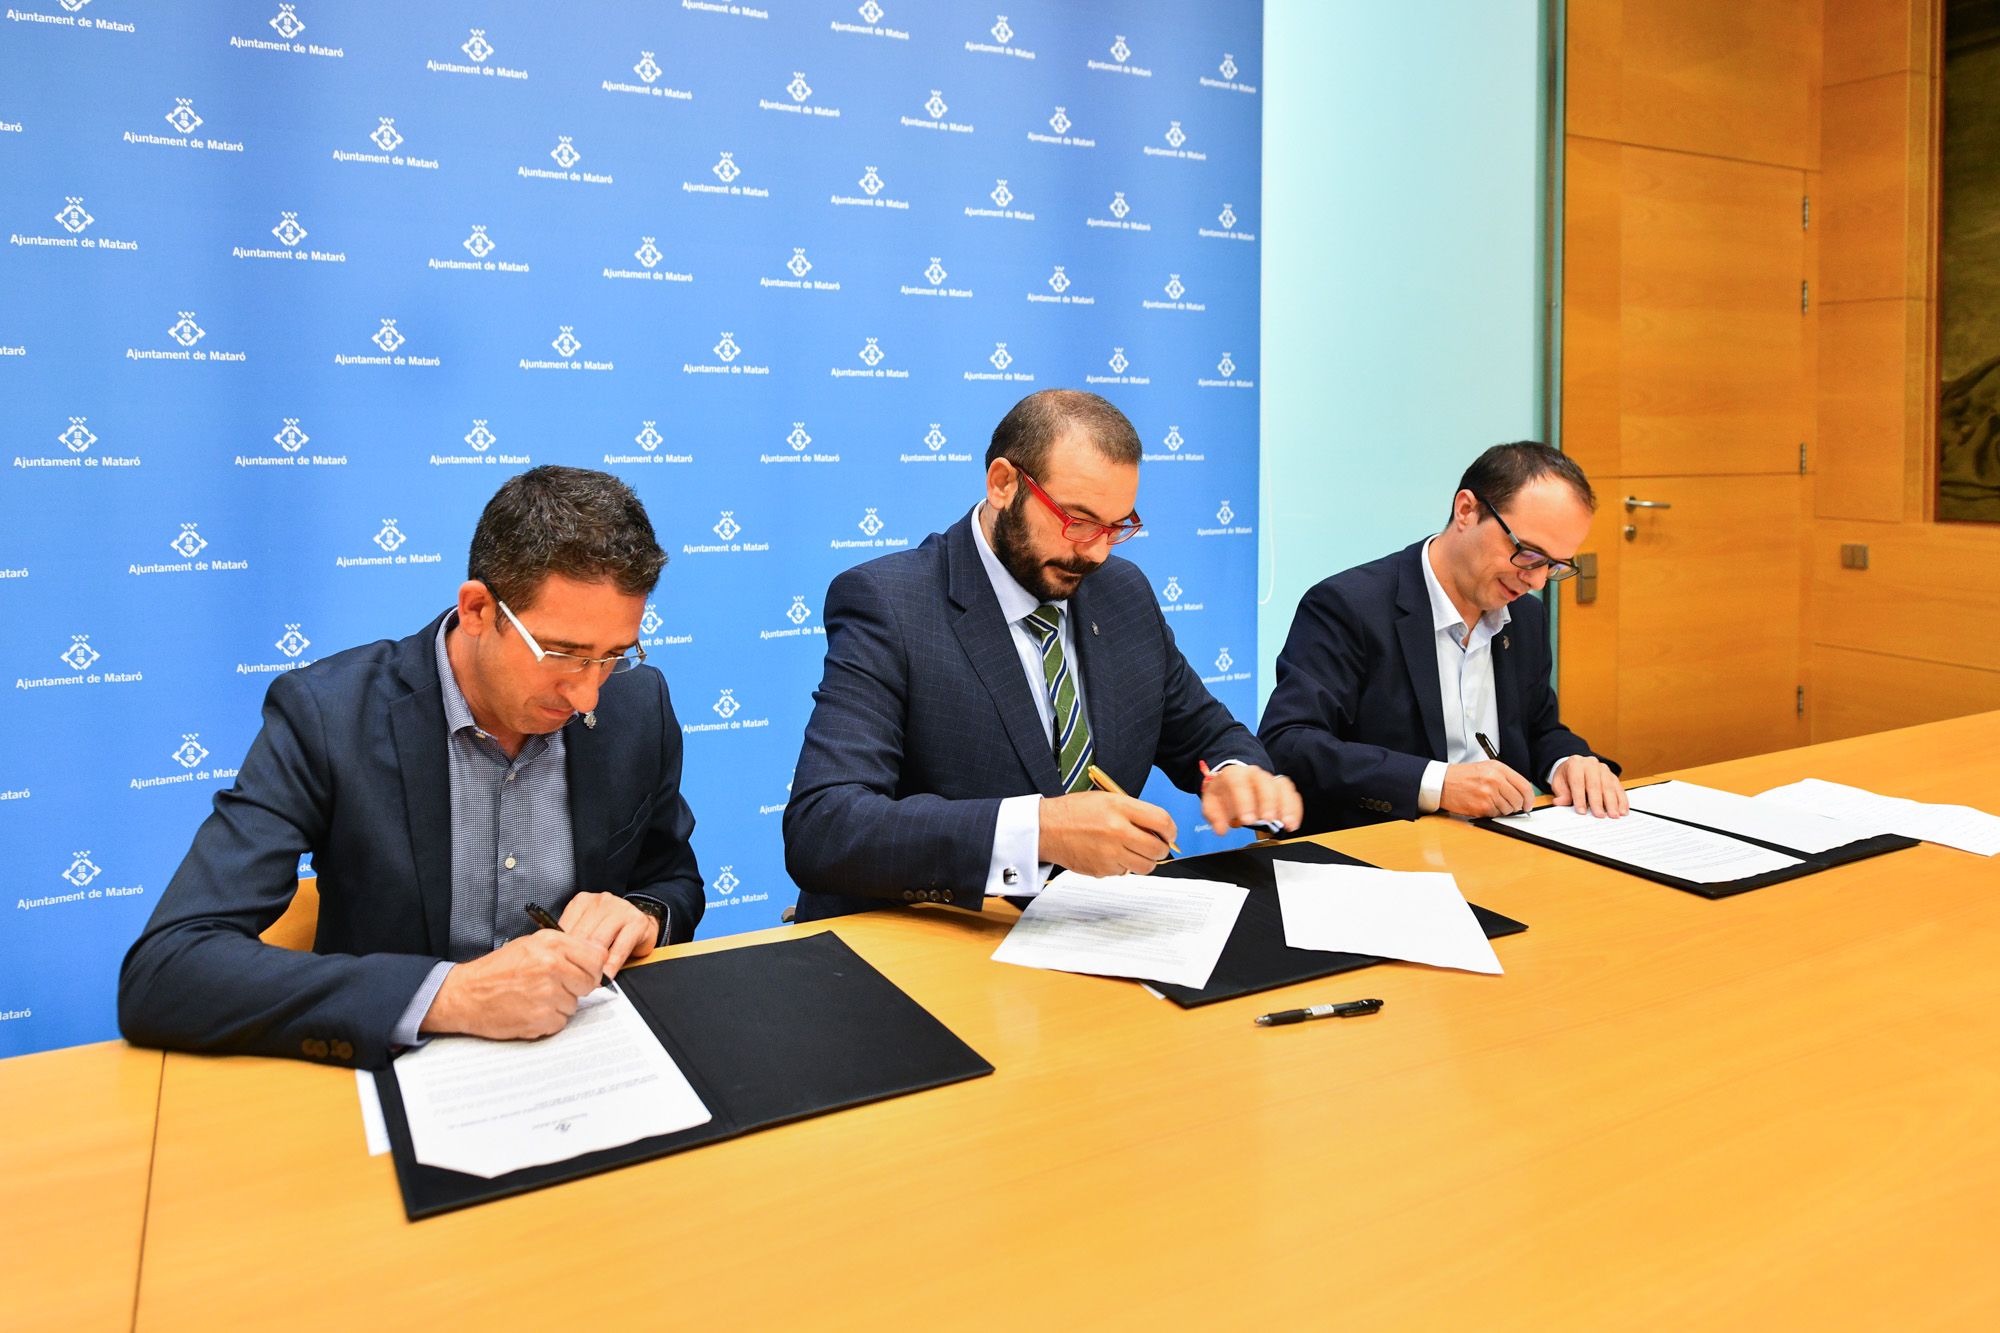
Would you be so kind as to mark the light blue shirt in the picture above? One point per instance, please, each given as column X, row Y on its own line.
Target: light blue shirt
column 1465, row 685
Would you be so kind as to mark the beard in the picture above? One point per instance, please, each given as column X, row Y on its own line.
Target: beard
column 1011, row 543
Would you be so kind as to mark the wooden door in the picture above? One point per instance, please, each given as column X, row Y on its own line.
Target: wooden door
column 1687, row 347
column 1708, row 620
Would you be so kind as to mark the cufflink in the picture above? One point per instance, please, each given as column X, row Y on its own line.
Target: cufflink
column 1010, row 876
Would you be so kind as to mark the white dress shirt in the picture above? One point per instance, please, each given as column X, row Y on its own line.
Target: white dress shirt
column 1465, row 685
column 1013, row 868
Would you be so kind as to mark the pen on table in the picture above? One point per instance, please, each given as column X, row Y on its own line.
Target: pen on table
column 1102, row 781
column 1494, row 755
column 1350, row 1009
column 540, row 916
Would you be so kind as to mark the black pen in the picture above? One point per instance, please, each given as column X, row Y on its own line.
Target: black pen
column 1351, row 1009
column 540, row 916
column 1494, row 755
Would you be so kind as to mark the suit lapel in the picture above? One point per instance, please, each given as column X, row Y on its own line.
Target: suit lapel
column 417, row 721
column 1506, row 692
column 983, row 633
column 1103, row 700
column 587, row 767
column 1419, row 640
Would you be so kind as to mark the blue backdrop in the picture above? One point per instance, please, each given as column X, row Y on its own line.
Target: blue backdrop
column 290, row 288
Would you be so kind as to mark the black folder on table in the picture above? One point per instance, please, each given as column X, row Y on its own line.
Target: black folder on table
column 1256, row 957
column 1811, row 863
column 766, row 1033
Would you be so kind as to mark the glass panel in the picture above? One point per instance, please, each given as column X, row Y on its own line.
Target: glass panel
column 1969, row 267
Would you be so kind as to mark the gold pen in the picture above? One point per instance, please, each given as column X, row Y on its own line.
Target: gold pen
column 1102, row 781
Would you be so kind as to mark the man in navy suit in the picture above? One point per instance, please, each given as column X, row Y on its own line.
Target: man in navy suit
column 507, row 753
column 1395, row 670
column 972, row 682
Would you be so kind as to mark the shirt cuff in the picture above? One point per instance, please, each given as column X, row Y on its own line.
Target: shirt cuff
column 406, row 1033
column 1550, row 784
column 1012, row 871
column 1430, row 791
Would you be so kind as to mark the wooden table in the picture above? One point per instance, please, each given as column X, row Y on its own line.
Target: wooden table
column 76, row 1147
column 1780, row 1109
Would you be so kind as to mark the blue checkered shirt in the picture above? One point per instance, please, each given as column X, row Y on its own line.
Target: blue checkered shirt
column 510, row 838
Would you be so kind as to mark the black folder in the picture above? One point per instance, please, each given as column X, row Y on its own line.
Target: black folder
column 1256, row 958
column 766, row 1033
column 1811, row 863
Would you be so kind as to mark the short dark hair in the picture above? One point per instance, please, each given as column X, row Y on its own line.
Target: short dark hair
column 1027, row 433
column 563, row 520
column 1498, row 475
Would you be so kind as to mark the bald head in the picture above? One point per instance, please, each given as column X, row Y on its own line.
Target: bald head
column 1029, row 432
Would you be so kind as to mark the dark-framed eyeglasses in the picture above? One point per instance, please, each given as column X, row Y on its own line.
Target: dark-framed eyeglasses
column 569, row 664
column 1526, row 556
column 1084, row 531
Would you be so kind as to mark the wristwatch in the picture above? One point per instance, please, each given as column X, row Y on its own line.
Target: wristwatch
column 655, row 909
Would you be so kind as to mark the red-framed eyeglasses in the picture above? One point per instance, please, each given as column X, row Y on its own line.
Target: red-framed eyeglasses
column 1084, row 531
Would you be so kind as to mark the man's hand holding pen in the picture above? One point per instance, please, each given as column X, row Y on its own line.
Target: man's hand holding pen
column 530, row 986
column 526, row 988
column 607, row 919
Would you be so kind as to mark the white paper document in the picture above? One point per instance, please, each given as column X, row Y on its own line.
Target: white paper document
column 1801, row 830
column 1658, row 845
column 1959, row 826
column 1128, row 926
column 490, row 1107
column 1420, row 917
column 373, row 1128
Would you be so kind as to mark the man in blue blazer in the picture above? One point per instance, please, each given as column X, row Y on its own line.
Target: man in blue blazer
column 509, row 752
column 971, row 684
column 1398, row 674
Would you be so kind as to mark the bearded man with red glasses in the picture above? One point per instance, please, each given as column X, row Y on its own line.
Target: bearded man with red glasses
column 974, row 682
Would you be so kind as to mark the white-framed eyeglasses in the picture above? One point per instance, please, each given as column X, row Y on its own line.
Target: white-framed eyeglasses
column 569, row 664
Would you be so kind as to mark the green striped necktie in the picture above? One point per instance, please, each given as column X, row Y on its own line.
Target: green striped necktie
column 1072, row 730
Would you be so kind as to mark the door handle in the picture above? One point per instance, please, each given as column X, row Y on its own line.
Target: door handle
column 1634, row 502
column 1586, row 578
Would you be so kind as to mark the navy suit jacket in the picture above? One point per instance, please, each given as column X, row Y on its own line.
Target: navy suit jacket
column 1357, row 715
column 924, row 721
column 352, row 766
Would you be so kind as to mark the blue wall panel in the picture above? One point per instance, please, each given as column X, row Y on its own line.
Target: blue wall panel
column 290, row 288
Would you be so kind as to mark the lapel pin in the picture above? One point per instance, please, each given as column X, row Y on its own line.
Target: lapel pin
column 590, row 719
column 1093, row 628
column 1503, row 645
